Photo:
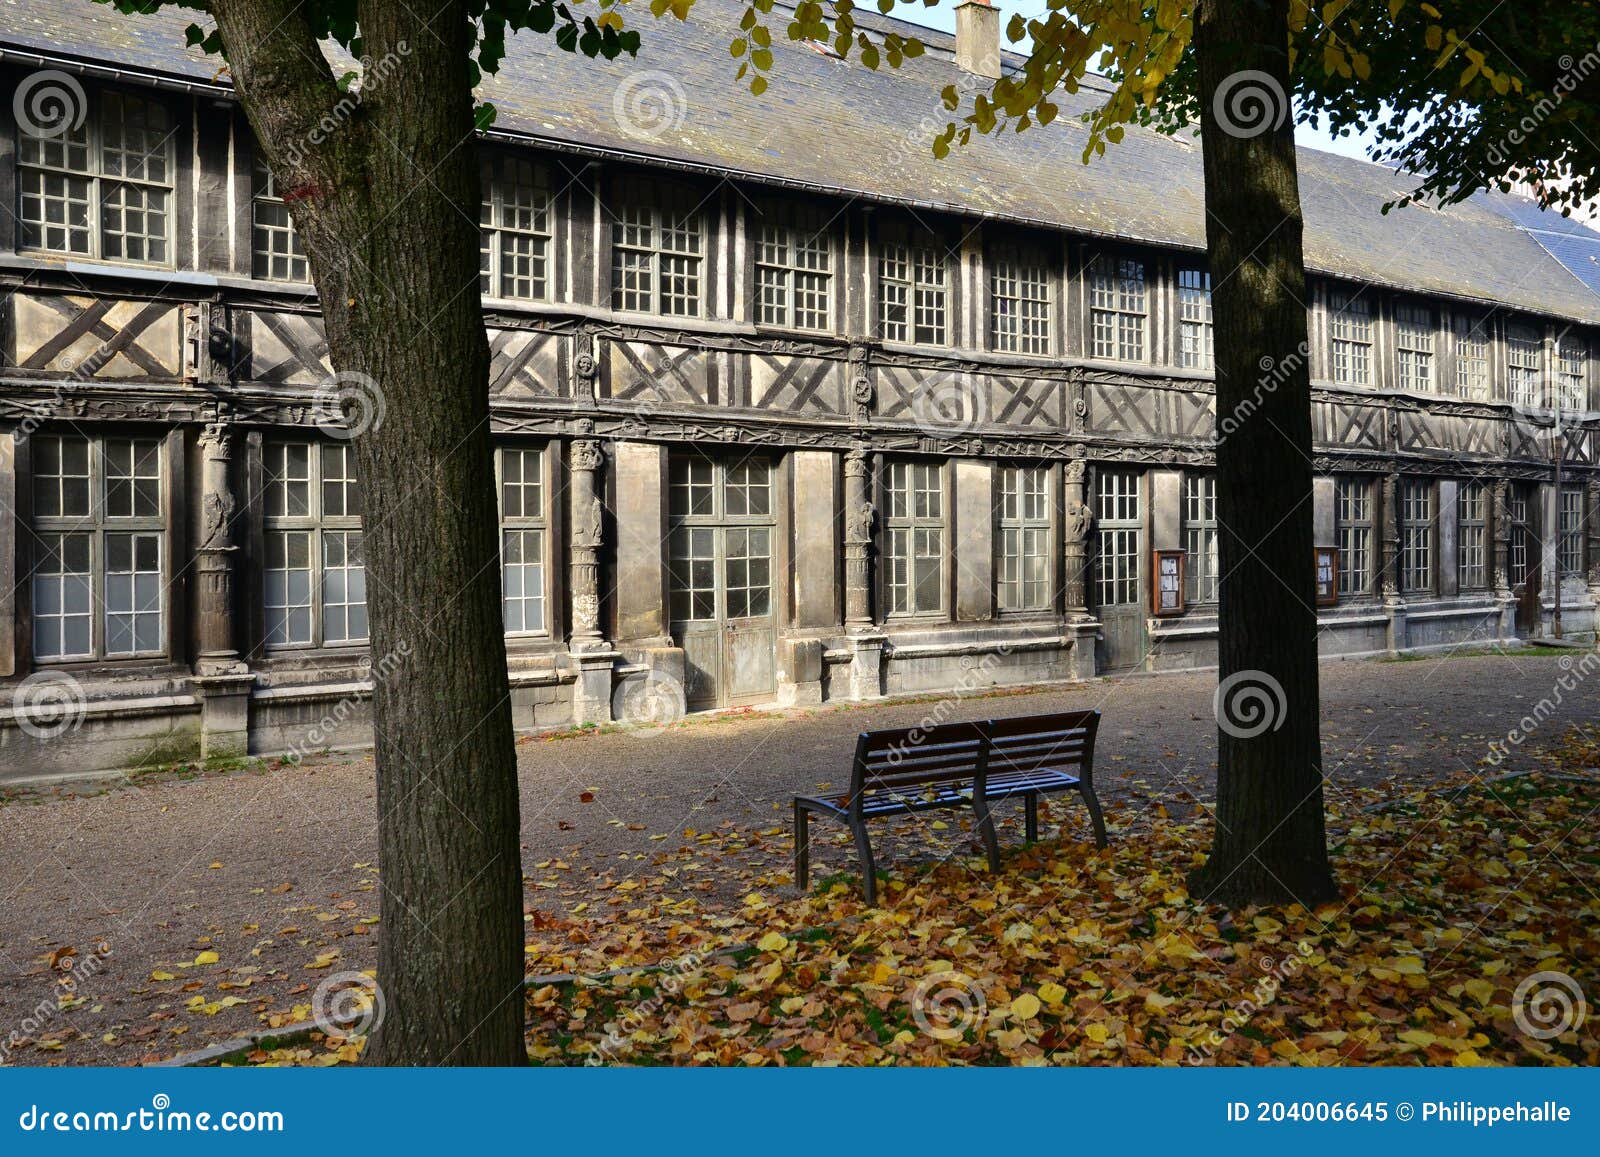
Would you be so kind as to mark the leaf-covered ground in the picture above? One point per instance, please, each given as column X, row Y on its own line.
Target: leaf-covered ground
column 1453, row 900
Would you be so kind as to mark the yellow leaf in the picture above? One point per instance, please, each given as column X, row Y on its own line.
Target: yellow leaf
column 207, row 957
column 1052, row 993
column 1025, row 1007
column 1267, row 924
column 1096, row 1033
column 159, row 975
column 1480, row 989
column 773, row 942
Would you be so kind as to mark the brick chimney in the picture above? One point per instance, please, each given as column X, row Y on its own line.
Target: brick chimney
column 978, row 38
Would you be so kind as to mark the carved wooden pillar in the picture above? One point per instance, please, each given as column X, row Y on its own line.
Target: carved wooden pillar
column 1388, row 581
column 1501, row 528
column 218, row 652
column 1076, row 517
column 587, row 536
column 859, row 513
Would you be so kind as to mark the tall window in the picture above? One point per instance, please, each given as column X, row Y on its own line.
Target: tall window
column 1524, row 351
column 102, row 189
column 1574, row 373
column 794, row 267
column 1570, row 549
column 98, row 531
column 1472, row 535
column 1117, row 308
column 1413, row 343
column 656, row 252
column 1025, row 538
column 1416, row 535
column 315, row 582
column 1472, row 357
column 1353, row 519
column 913, row 290
column 914, row 538
column 275, row 249
column 522, row 540
column 1200, row 537
column 1195, row 350
column 514, row 233
column 1117, row 516
column 720, row 544
column 1019, row 304
column 1350, row 328
column 1517, row 561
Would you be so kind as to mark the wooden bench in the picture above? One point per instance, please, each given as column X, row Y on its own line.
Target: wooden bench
column 957, row 765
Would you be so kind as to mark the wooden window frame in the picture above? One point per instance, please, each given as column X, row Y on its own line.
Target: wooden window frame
column 521, row 523
column 501, row 183
column 665, row 211
column 1024, row 512
column 1356, row 531
column 1106, row 281
column 1473, row 548
column 317, row 525
column 1352, row 339
column 908, row 528
column 1028, row 325
column 1191, row 287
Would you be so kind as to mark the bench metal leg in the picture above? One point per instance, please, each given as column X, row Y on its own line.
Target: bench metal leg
column 1031, row 816
column 1095, row 817
column 991, row 841
column 869, row 871
column 802, row 849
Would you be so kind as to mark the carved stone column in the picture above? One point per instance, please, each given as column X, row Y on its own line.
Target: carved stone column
column 221, row 679
column 859, row 515
column 1501, row 528
column 1388, row 577
column 587, row 537
column 1075, row 522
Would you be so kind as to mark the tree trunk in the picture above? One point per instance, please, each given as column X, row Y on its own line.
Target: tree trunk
column 1269, row 844
column 386, row 202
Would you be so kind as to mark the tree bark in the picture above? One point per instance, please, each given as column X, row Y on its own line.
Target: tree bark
column 1269, row 844
column 384, row 192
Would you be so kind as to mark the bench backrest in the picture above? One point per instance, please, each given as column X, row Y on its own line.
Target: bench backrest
column 901, row 761
column 1059, row 742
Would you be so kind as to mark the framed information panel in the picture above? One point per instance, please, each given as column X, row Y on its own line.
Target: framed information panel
column 1327, row 575
column 1166, row 579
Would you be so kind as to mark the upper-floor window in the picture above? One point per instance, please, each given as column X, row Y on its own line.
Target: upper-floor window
column 98, row 579
column 914, row 534
column 1574, row 372
column 1524, row 352
column 275, row 252
column 314, row 581
column 1025, row 556
column 1416, row 534
column 1353, row 525
column 657, row 247
column 1413, row 345
column 1117, row 309
column 524, row 540
column 102, row 188
column 1201, row 572
column 1472, row 357
column 514, row 234
column 1019, row 303
column 794, row 268
column 1472, row 536
column 1195, row 350
column 1350, row 331
column 913, row 289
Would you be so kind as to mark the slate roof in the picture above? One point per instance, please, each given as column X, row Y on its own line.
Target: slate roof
column 832, row 126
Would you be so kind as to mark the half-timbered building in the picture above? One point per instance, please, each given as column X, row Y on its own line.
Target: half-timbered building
column 786, row 409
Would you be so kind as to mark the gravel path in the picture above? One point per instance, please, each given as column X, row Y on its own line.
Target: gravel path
column 273, row 867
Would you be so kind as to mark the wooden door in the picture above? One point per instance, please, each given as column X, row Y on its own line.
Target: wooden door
column 1120, row 586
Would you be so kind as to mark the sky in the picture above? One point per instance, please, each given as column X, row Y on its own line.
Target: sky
column 943, row 17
